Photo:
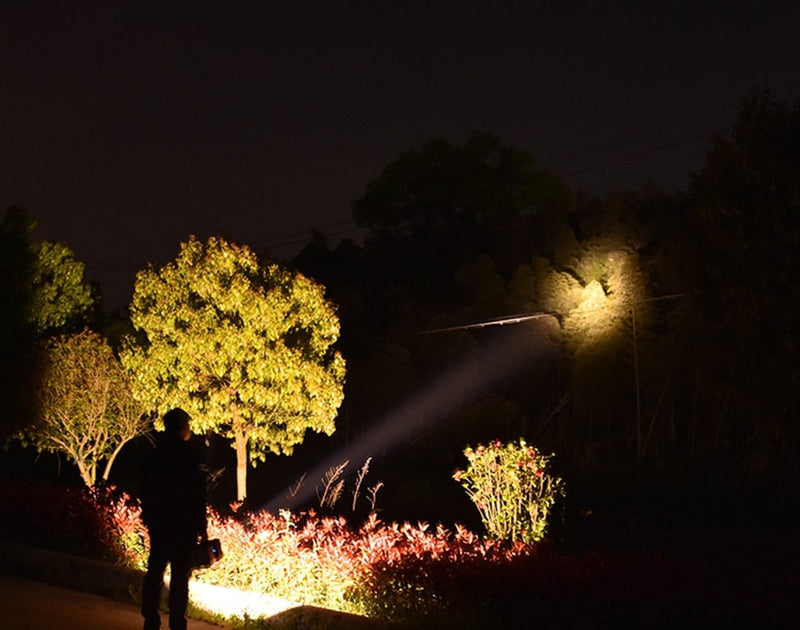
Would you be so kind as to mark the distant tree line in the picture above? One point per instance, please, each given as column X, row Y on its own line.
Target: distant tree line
column 672, row 346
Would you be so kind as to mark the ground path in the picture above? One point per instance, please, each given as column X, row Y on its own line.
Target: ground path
column 48, row 590
column 27, row 605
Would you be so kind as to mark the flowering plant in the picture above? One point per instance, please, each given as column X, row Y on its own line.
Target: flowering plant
column 511, row 488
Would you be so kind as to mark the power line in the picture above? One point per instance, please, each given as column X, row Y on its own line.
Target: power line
column 645, row 152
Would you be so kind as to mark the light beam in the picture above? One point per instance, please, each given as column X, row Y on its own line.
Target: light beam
column 503, row 356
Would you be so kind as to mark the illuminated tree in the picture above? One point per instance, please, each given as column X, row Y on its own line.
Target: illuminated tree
column 59, row 296
column 244, row 347
column 41, row 293
column 86, row 406
column 42, row 280
column 60, row 299
column 601, row 310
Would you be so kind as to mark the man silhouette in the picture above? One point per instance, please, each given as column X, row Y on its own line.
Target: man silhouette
column 173, row 499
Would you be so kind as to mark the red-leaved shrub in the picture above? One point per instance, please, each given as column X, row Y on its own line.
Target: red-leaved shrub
column 427, row 576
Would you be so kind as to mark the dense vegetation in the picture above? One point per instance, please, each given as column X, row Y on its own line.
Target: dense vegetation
column 425, row 576
column 649, row 341
column 670, row 362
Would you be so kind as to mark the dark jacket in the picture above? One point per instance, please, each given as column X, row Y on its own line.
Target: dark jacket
column 173, row 492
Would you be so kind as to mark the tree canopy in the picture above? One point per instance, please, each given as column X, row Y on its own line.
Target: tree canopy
column 45, row 281
column 442, row 186
column 245, row 347
column 60, row 299
column 745, row 220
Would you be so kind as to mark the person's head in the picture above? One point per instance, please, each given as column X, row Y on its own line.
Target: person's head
column 176, row 424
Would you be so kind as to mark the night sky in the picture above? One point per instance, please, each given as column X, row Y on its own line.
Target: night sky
column 125, row 127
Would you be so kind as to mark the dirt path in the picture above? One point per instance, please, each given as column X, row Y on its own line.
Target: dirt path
column 27, row 605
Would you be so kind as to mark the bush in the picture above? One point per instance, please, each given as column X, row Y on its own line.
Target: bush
column 378, row 569
column 304, row 559
column 416, row 575
column 397, row 571
column 420, row 575
column 391, row 571
column 100, row 524
column 511, row 488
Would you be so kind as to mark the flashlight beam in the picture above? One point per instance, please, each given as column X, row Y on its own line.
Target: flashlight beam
column 499, row 321
column 516, row 319
column 463, row 382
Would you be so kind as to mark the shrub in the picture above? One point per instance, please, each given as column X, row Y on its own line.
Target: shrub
column 392, row 571
column 414, row 574
column 423, row 576
column 100, row 524
column 303, row 558
column 511, row 488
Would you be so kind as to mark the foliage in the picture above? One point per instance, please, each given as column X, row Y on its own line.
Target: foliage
column 42, row 293
column 430, row 577
column 446, row 187
column 511, row 488
column 244, row 347
column 42, row 280
column 60, row 298
column 307, row 559
column 86, row 406
column 618, row 400
column 745, row 223
column 323, row 561
column 99, row 523
column 414, row 572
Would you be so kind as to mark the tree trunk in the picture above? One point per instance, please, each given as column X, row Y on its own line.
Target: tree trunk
column 110, row 460
column 240, row 444
column 88, row 473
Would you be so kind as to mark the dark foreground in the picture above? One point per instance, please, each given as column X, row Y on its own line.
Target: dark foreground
column 28, row 605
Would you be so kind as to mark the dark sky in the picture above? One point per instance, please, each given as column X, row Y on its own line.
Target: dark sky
column 125, row 127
